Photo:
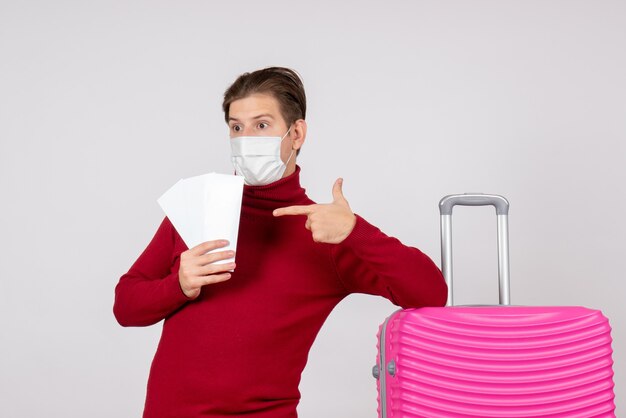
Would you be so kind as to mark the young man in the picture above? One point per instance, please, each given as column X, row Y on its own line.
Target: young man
column 235, row 343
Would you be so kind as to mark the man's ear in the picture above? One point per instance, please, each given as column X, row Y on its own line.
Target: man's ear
column 299, row 133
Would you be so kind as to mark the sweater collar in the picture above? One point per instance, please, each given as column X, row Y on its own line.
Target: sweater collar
column 283, row 192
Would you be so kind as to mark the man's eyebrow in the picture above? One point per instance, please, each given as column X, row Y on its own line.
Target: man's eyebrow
column 264, row 115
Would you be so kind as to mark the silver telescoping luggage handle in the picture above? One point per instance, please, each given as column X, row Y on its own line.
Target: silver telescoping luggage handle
column 502, row 210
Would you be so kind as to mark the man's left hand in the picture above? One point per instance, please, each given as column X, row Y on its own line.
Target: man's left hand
column 329, row 222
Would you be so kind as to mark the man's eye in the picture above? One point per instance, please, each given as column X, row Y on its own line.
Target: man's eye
column 236, row 128
column 262, row 125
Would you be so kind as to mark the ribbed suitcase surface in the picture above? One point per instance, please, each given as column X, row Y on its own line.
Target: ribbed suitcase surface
column 496, row 362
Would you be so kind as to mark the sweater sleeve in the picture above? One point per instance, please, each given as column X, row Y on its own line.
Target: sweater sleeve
column 150, row 290
column 368, row 261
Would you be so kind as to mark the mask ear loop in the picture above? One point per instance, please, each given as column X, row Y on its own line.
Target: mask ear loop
column 292, row 150
column 286, row 133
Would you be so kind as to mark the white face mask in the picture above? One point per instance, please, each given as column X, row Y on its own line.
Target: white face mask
column 257, row 158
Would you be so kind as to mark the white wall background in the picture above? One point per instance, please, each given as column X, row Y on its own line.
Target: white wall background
column 104, row 105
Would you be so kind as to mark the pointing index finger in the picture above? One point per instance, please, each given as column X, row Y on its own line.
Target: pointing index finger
column 295, row 210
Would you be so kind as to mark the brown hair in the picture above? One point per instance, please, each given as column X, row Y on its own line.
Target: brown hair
column 282, row 83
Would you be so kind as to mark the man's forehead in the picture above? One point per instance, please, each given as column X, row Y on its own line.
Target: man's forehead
column 254, row 107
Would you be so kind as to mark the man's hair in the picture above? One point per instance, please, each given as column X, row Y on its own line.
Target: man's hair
column 282, row 83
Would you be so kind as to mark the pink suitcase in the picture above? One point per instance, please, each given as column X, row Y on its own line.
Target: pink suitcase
column 493, row 361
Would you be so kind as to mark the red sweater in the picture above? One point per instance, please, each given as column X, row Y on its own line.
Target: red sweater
column 240, row 347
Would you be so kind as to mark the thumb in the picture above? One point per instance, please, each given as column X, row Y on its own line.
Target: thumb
column 338, row 191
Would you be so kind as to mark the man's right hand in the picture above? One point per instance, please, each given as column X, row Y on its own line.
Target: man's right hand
column 198, row 268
